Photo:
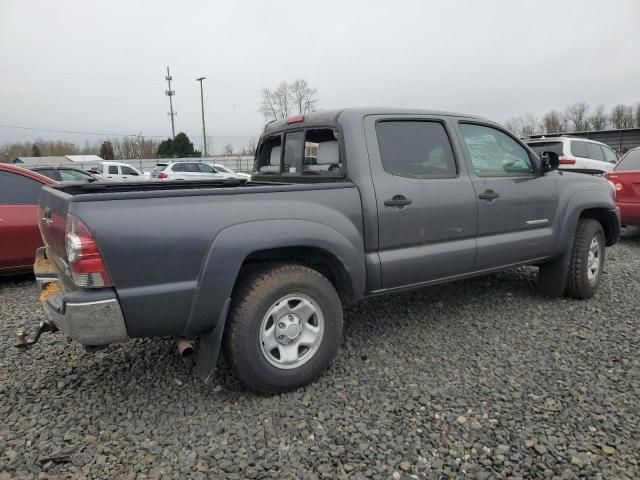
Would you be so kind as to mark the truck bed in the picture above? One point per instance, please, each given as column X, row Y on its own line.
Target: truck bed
column 158, row 238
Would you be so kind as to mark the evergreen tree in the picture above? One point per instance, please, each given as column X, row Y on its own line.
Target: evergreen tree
column 35, row 151
column 106, row 151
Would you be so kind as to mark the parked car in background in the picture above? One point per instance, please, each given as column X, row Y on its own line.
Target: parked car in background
column 189, row 171
column 626, row 180
column 109, row 171
column 19, row 234
column 65, row 174
column 224, row 169
column 577, row 154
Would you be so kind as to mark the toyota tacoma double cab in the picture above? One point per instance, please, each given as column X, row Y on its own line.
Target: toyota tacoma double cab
column 342, row 205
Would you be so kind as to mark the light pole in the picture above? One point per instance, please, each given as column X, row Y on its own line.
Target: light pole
column 204, row 133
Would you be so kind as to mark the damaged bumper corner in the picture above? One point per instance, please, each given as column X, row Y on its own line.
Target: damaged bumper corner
column 90, row 317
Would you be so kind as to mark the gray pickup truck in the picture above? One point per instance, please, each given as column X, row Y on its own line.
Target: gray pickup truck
column 343, row 205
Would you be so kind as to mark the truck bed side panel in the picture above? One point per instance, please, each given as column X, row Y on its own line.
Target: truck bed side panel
column 155, row 248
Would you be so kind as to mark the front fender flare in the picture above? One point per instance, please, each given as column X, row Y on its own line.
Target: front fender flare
column 578, row 203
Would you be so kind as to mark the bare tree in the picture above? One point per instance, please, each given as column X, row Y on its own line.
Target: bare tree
column 268, row 105
column 303, row 96
column 622, row 116
column 577, row 116
column 227, row 150
column 249, row 149
column 638, row 115
column 513, row 125
column 553, row 122
column 287, row 98
column 529, row 125
column 598, row 119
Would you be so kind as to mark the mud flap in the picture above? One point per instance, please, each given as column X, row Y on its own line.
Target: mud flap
column 552, row 277
column 209, row 347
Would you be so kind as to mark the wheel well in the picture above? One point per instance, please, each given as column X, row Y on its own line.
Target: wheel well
column 317, row 258
column 605, row 218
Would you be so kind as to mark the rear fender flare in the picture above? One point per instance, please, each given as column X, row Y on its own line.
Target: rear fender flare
column 235, row 243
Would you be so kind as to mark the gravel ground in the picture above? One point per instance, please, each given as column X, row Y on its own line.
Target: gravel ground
column 475, row 379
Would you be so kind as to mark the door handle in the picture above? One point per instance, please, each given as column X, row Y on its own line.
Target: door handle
column 488, row 195
column 397, row 201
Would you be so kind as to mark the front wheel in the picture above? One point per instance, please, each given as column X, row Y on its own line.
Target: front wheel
column 586, row 264
column 284, row 328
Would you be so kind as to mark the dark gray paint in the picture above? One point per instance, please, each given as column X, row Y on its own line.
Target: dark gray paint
column 174, row 252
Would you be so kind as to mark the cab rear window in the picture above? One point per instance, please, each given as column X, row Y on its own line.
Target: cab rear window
column 312, row 153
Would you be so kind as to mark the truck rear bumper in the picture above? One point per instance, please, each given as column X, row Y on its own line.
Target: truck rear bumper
column 90, row 317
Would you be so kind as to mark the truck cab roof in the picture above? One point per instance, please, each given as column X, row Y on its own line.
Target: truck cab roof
column 326, row 118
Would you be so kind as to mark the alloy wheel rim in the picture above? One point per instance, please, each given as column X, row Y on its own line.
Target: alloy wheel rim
column 593, row 261
column 291, row 331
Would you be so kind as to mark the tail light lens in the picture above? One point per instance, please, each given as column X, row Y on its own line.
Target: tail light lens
column 567, row 161
column 618, row 187
column 83, row 255
column 163, row 175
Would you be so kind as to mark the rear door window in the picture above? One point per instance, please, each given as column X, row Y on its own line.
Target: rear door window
column 17, row 189
column 579, row 149
column 419, row 149
column 129, row 171
column 204, row 168
column 113, row 170
column 595, row 152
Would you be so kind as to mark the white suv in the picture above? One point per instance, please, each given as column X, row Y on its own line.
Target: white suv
column 188, row 171
column 577, row 154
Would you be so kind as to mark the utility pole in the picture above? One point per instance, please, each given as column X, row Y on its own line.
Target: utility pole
column 170, row 93
column 204, row 133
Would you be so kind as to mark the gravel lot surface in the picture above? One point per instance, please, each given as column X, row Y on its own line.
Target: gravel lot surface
column 476, row 379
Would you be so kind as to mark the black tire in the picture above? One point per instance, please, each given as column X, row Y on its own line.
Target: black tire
column 252, row 300
column 578, row 283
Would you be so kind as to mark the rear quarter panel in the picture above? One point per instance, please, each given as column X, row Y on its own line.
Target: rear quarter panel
column 161, row 252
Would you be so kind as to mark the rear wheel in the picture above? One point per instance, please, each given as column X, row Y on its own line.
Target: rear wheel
column 284, row 328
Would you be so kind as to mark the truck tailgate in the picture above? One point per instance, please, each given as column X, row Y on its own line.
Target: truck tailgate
column 52, row 214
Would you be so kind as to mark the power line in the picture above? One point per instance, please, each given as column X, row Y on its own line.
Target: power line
column 77, row 132
column 40, row 95
column 103, row 134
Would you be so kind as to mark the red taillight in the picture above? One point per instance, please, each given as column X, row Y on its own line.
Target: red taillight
column 163, row 175
column 83, row 255
column 295, row 119
column 616, row 185
column 567, row 161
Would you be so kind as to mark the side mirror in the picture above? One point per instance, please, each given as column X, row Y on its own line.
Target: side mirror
column 550, row 161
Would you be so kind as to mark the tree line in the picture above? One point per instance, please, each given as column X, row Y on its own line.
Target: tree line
column 578, row 117
column 118, row 148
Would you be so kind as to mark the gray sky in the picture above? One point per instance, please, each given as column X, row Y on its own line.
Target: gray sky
column 100, row 66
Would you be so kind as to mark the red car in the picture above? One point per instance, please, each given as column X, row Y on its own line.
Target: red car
column 626, row 180
column 19, row 234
